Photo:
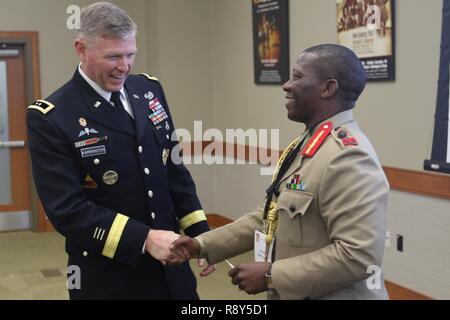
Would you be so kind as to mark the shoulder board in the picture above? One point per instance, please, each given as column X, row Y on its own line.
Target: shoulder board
column 344, row 137
column 316, row 140
column 42, row 106
column 149, row 77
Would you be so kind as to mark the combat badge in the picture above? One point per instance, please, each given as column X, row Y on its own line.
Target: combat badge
column 110, row 177
column 149, row 96
column 87, row 131
column 165, row 156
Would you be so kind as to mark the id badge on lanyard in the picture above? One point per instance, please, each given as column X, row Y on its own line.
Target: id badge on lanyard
column 260, row 247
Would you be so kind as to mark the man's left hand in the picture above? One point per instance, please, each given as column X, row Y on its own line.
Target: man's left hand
column 206, row 271
column 250, row 277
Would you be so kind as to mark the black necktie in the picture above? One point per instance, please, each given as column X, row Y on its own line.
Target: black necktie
column 118, row 106
column 115, row 99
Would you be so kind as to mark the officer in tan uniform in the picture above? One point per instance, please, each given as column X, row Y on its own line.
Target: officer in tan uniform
column 325, row 210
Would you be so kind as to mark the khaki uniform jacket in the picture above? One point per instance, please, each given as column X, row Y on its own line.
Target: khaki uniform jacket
column 329, row 233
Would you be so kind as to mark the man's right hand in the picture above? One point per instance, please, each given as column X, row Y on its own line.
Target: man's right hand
column 186, row 246
column 157, row 245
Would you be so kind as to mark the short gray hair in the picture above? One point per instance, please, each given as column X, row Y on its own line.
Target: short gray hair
column 105, row 20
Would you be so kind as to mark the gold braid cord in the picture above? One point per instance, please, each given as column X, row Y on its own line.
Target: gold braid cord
column 272, row 214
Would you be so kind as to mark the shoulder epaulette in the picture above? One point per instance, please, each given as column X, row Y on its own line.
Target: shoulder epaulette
column 344, row 137
column 317, row 139
column 42, row 106
column 149, row 77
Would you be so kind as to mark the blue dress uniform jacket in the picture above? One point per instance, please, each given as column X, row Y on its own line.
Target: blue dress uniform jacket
column 105, row 181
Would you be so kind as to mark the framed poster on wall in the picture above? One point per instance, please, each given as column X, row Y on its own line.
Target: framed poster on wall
column 271, row 41
column 367, row 27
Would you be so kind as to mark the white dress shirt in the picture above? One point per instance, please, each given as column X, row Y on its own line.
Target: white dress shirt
column 106, row 94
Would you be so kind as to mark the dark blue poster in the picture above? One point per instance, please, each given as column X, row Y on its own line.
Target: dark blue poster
column 440, row 154
column 271, row 41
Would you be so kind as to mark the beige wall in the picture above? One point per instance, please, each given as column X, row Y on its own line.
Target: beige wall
column 179, row 50
column 202, row 52
column 57, row 56
column 425, row 261
column 177, row 39
column 397, row 116
column 57, row 60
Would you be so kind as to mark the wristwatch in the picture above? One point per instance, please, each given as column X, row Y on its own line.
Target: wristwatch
column 269, row 282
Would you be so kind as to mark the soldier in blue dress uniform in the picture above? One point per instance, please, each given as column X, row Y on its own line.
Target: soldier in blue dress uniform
column 101, row 156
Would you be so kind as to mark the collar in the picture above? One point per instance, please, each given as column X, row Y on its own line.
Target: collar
column 103, row 93
column 337, row 120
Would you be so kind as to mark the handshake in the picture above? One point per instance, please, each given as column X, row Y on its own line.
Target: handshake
column 172, row 249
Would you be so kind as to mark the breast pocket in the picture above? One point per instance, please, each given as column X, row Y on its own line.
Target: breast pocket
column 292, row 206
column 99, row 174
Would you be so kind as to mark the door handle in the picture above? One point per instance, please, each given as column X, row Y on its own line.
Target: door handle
column 12, row 144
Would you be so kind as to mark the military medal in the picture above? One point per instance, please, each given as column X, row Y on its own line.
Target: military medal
column 110, row 177
column 157, row 112
column 296, row 184
column 165, row 156
column 89, row 142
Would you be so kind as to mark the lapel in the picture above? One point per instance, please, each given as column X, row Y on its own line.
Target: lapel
column 140, row 109
column 298, row 160
column 100, row 110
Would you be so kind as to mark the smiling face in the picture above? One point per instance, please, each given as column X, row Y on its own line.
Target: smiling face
column 107, row 61
column 303, row 90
